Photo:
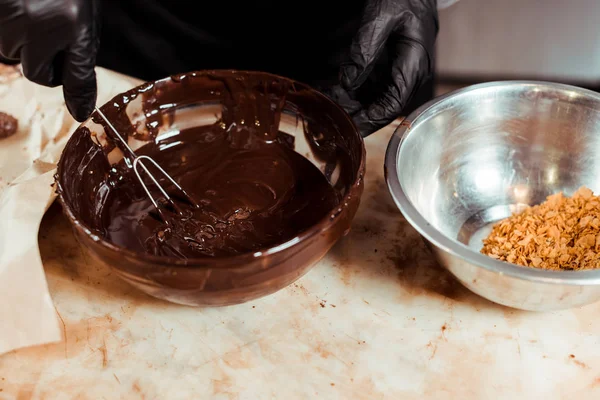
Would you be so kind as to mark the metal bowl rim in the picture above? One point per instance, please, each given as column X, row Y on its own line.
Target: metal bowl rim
column 437, row 238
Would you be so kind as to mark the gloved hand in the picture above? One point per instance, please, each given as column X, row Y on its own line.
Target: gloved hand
column 56, row 42
column 402, row 31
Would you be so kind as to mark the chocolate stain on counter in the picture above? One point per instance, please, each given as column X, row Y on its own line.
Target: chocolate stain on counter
column 595, row 383
column 580, row 364
column 87, row 336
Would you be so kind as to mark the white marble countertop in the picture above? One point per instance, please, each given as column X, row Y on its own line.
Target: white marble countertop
column 376, row 319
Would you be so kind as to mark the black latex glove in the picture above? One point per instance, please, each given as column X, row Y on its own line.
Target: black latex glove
column 56, row 42
column 401, row 31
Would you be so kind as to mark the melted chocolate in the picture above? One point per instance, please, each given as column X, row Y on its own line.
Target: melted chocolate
column 251, row 194
column 8, row 125
column 254, row 191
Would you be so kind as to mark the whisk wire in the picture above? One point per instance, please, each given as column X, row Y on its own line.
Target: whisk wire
column 137, row 164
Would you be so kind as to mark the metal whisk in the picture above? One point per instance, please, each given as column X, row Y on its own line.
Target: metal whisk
column 137, row 164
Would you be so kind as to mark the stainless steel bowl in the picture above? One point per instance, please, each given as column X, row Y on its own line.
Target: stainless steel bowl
column 470, row 158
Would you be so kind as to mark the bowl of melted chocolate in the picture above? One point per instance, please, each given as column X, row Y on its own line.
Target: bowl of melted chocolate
column 275, row 167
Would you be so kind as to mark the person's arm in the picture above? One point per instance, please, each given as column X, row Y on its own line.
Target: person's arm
column 56, row 43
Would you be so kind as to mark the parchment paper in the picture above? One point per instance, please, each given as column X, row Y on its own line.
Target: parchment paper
column 27, row 166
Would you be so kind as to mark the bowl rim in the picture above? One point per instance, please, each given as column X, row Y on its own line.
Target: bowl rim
column 440, row 240
column 238, row 261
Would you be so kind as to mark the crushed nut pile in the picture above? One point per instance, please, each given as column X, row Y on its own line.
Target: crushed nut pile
column 562, row 233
